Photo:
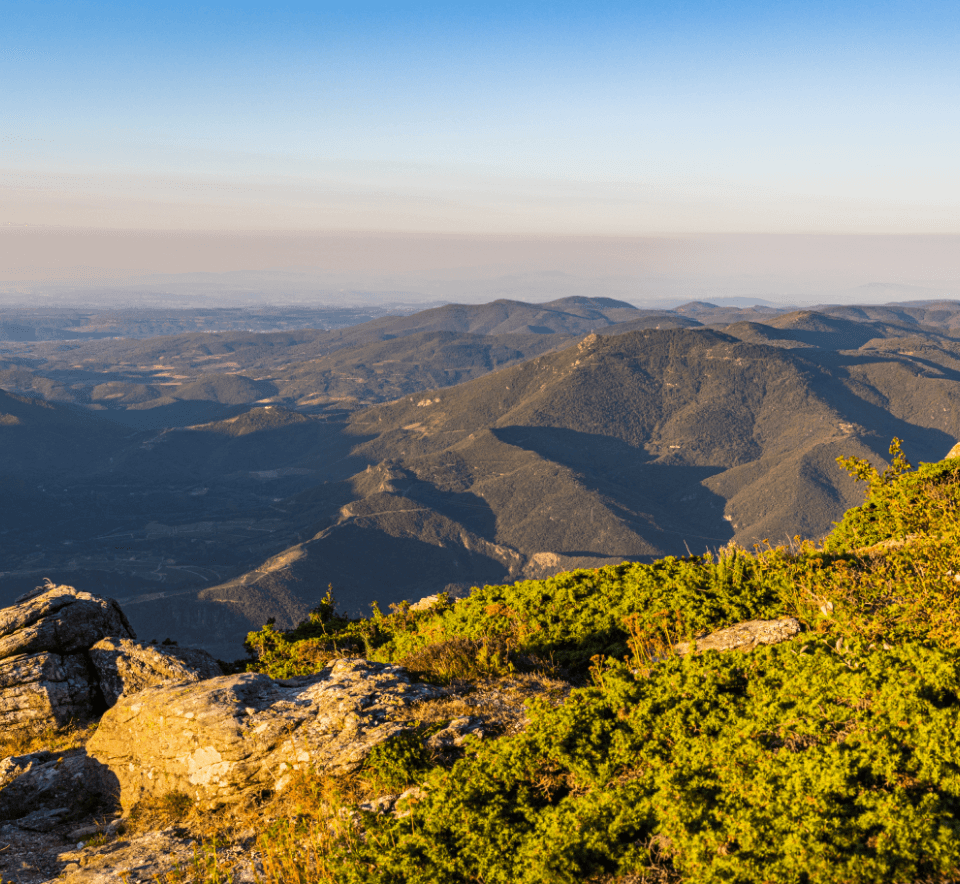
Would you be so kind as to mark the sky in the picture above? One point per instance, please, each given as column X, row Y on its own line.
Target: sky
column 557, row 120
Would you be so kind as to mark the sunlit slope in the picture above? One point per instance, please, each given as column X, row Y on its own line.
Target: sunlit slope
column 617, row 448
column 622, row 447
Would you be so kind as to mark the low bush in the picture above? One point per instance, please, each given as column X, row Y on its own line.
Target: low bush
column 834, row 757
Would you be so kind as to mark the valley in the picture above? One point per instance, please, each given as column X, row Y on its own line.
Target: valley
column 213, row 480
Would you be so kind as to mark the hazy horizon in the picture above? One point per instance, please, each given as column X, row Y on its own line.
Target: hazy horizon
column 781, row 151
column 51, row 266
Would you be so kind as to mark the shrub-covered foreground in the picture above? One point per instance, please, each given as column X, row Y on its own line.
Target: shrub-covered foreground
column 834, row 757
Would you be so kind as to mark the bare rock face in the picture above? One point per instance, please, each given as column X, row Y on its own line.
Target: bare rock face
column 220, row 739
column 46, row 678
column 59, row 619
column 125, row 666
column 743, row 636
column 40, row 690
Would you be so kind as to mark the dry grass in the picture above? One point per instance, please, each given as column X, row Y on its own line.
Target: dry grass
column 460, row 658
column 499, row 700
column 159, row 812
column 297, row 832
column 59, row 739
column 653, row 638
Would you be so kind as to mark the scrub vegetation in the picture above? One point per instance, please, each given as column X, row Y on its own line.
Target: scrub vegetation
column 833, row 757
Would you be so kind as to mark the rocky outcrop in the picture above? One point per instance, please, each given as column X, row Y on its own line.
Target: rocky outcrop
column 44, row 690
column 60, row 619
column 221, row 739
column 65, row 655
column 742, row 636
column 45, row 675
column 126, row 667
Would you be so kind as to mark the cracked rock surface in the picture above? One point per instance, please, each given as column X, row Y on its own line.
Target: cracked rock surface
column 40, row 690
column 225, row 737
column 127, row 667
column 46, row 677
column 60, row 619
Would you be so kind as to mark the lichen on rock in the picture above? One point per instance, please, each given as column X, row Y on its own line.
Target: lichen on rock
column 226, row 737
column 125, row 666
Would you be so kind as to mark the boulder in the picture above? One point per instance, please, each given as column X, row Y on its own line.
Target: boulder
column 125, row 666
column 46, row 678
column 59, row 619
column 65, row 655
column 44, row 690
column 453, row 735
column 220, row 739
column 43, row 787
column 743, row 636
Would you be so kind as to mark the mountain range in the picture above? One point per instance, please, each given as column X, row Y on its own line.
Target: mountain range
column 214, row 480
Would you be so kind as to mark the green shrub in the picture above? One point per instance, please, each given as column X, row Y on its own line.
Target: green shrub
column 558, row 623
column 834, row 757
column 784, row 765
column 900, row 502
column 397, row 763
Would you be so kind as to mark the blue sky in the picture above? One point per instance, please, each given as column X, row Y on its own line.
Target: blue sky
column 533, row 118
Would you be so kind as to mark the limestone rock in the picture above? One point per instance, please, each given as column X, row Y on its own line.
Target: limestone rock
column 953, row 452
column 219, row 739
column 45, row 675
column 43, row 787
column 60, row 619
column 426, row 603
column 126, row 667
column 39, row 690
column 742, row 636
column 452, row 736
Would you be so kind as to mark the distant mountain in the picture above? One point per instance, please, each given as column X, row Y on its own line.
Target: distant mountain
column 939, row 316
column 386, row 370
column 161, row 371
column 569, row 316
column 627, row 446
column 242, row 473
column 827, row 331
